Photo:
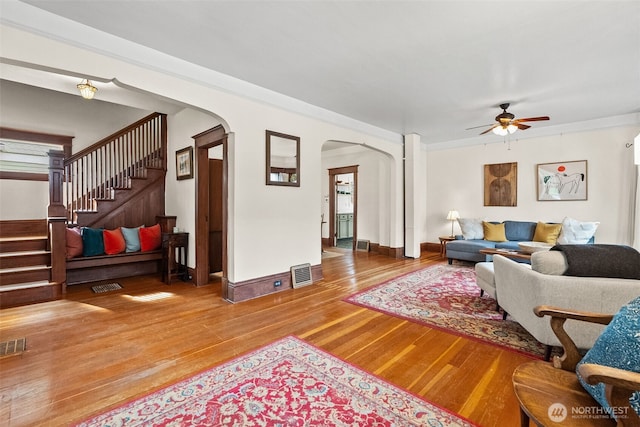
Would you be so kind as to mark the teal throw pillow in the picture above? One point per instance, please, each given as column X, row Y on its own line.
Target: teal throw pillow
column 92, row 241
column 131, row 238
column 618, row 347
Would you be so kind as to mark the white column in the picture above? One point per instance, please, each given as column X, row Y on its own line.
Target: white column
column 635, row 208
column 413, row 195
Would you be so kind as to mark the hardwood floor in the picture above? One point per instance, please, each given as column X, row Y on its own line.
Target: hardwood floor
column 91, row 352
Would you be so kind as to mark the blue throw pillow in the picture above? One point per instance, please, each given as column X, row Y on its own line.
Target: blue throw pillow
column 92, row 241
column 519, row 231
column 131, row 238
column 618, row 347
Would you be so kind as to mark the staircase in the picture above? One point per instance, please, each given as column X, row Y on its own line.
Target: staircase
column 25, row 264
column 116, row 182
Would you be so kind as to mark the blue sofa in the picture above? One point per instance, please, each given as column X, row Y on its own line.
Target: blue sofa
column 468, row 250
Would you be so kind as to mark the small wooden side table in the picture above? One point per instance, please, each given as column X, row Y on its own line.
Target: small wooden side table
column 173, row 266
column 443, row 244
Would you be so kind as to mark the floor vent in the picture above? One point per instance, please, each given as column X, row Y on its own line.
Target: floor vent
column 13, row 347
column 362, row 245
column 98, row 289
column 301, row 275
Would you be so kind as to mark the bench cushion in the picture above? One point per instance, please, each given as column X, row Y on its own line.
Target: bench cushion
column 131, row 238
column 113, row 241
column 92, row 241
column 74, row 242
column 150, row 238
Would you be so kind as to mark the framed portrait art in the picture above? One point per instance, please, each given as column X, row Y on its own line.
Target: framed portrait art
column 184, row 163
column 562, row 180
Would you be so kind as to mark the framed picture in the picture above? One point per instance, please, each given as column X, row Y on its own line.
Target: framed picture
column 501, row 184
column 562, row 180
column 184, row 163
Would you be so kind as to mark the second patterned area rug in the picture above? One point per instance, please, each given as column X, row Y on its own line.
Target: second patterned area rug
column 447, row 297
column 286, row 383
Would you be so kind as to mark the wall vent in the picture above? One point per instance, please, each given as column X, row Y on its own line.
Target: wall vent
column 301, row 275
column 362, row 245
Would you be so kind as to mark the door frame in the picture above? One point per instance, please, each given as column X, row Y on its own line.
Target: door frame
column 332, row 202
column 203, row 141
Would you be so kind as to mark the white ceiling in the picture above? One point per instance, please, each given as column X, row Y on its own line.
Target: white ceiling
column 429, row 67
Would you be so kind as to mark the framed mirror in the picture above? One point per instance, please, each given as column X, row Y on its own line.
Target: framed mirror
column 283, row 159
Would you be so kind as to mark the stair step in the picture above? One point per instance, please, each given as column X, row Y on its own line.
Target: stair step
column 17, row 244
column 29, row 293
column 25, row 285
column 24, row 259
column 11, row 276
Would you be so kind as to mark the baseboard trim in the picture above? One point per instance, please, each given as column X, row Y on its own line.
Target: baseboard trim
column 261, row 286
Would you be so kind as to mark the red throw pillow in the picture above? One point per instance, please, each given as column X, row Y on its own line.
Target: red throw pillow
column 113, row 242
column 74, row 242
column 150, row 239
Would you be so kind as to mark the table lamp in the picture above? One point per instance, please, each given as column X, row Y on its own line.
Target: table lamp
column 453, row 216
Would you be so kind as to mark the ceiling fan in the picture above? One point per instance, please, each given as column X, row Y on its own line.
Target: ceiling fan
column 507, row 122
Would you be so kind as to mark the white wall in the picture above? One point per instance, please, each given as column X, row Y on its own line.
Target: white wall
column 454, row 180
column 372, row 195
column 271, row 228
column 180, row 196
column 23, row 199
column 39, row 110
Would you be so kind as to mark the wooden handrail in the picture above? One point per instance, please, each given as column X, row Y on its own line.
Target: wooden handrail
column 115, row 135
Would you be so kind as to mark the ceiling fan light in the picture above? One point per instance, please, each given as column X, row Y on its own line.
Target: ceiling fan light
column 87, row 90
column 500, row 130
column 512, row 128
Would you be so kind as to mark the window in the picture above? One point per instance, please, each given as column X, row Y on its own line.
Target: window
column 24, row 154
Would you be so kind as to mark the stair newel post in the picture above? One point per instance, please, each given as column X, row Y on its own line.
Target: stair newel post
column 57, row 218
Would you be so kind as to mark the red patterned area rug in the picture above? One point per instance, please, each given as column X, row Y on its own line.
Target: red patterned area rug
column 447, row 297
column 287, row 383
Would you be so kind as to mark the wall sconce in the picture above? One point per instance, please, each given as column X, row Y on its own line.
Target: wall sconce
column 87, row 90
column 452, row 216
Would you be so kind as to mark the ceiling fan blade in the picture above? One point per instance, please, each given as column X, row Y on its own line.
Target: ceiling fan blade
column 477, row 127
column 490, row 129
column 533, row 119
column 522, row 126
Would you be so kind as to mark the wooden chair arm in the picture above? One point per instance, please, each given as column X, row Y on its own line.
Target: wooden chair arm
column 594, row 374
column 584, row 316
column 619, row 385
column 571, row 355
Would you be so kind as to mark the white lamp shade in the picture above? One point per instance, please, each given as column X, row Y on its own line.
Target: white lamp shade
column 636, row 150
column 453, row 215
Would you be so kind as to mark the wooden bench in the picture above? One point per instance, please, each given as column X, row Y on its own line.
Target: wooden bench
column 548, row 393
column 108, row 267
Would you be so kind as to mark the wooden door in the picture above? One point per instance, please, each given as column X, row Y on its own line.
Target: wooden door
column 215, row 215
